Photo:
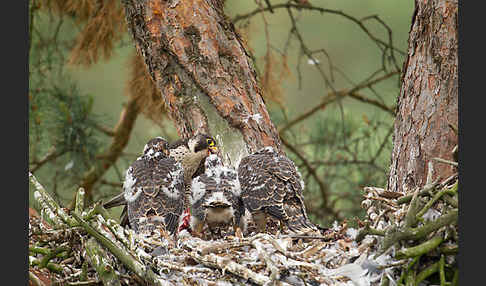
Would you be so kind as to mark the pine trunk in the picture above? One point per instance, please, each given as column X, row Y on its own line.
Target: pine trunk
column 428, row 101
column 203, row 72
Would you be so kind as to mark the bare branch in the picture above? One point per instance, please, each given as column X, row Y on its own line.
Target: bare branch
column 380, row 42
column 322, row 187
column 51, row 155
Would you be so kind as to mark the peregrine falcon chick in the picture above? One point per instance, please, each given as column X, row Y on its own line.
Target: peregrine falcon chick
column 271, row 185
column 215, row 198
column 191, row 152
column 153, row 189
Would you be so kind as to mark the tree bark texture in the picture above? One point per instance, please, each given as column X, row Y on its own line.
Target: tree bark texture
column 428, row 100
column 204, row 74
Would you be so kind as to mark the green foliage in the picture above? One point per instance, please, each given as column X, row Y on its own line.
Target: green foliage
column 61, row 117
column 63, row 138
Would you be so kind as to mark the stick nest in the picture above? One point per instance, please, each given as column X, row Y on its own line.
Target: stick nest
column 88, row 247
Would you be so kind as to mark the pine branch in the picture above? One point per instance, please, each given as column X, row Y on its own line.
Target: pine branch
column 121, row 136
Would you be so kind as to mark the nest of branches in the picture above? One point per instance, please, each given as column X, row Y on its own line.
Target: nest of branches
column 417, row 230
column 406, row 239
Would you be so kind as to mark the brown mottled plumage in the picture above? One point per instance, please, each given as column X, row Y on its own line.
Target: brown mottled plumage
column 153, row 189
column 271, row 185
column 190, row 153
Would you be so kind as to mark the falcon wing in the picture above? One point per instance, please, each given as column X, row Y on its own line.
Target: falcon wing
column 154, row 198
column 272, row 183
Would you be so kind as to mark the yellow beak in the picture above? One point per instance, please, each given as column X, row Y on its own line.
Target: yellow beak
column 213, row 149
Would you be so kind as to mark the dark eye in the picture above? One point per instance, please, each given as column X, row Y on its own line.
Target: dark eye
column 210, row 142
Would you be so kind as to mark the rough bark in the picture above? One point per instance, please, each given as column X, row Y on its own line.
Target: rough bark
column 206, row 79
column 428, row 99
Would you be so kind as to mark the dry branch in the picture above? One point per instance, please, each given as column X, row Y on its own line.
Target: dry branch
column 213, row 260
column 120, row 139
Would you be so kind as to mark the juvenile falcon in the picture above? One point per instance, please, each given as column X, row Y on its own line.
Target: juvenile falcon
column 191, row 153
column 215, row 198
column 271, row 185
column 153, row 189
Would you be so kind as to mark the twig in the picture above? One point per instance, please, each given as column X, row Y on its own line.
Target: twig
column 325, row 238
column 426, row 191
column 84, row 283
column 79, row 207
column 312, row 171
column 455, row 164
column 51, row 155
column 420, row 249
column 274, row 271
column 105, row 130
column 430, row 172
column 137, row 267
column 305, row 50
column 426, row 273
column 407, row 269
column 238, row 18
column 376, row 103
column 455, row 278
column 269, row 5
column 394, row 235
column 45, row 200
column 413, row 208
column 51, row 266
column 325, row 101
column 120, row 139
column 118, row 232
column 225, row 264
column 441, row 271
column 331, row 97
column 224, row 246
column 383, row 143
column 51, row 254
column 97, row 258
column 35, row 280
column 432, row 201
column 393, row 264
column 367, row 230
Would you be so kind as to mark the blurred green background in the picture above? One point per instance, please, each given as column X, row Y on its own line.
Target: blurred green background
column 320, row 137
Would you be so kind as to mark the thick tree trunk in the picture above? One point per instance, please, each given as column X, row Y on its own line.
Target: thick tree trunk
column 427, row 104
column 206, row 79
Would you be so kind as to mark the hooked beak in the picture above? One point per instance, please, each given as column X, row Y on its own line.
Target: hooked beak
column 213, row 149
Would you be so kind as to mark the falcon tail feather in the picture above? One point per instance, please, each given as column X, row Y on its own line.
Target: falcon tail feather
column 118, row 200
column 124, row 221
column 298, row 220
column 171, row 222
column 301, row 224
